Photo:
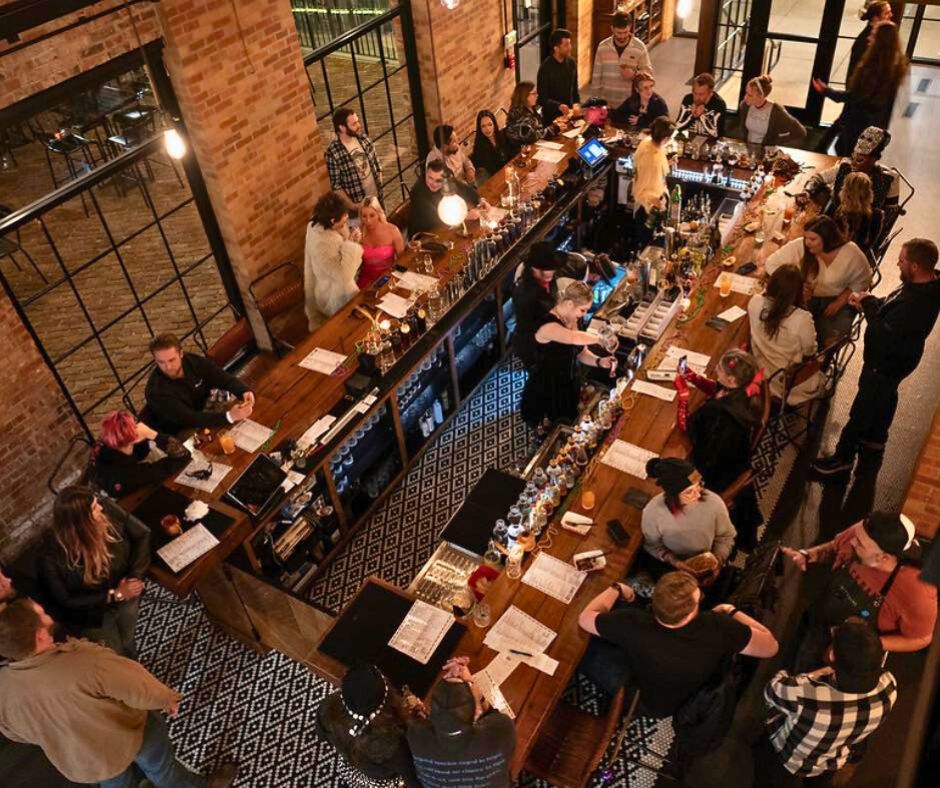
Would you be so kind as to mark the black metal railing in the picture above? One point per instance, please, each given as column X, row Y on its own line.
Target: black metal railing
column 321, row 22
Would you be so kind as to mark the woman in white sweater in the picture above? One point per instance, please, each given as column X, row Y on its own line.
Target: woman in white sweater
column 783, row 334
column 832, row 270
column 332, row 256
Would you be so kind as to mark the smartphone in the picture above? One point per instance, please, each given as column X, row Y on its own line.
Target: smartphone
column 380, row 281
column 617, row 532
column 745, row 269
column 683, row 365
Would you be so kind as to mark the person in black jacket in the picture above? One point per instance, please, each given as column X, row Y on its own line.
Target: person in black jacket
column 93, row 566
column 365, row 722
column 871, row 88
column 119, row 459
column 720, row 431
column 427, row 194
column 898, row 327
column 490, row 149
column 558, row 78
column 186, row 390
column 643, row 106
column 534, row 296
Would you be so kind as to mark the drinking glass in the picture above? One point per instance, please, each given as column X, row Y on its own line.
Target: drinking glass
column 481, row 614
column 724, row 285
column 514, row 563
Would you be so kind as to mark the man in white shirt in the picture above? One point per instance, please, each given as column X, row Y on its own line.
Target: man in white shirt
column 617, row 61
column 351, row 162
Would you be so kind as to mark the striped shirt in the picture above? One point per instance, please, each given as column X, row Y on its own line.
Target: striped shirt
column 606, row 80
column 818, row 724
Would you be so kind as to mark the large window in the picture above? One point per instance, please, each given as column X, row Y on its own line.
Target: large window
column 920, row 28
column 533, row 23
column 102, row 242
column 362, row 64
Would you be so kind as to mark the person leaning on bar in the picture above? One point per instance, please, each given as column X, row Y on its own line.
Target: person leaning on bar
column 185, row 390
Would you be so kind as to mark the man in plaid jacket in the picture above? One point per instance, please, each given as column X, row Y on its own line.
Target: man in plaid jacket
column 819, row 719
column 351, row 162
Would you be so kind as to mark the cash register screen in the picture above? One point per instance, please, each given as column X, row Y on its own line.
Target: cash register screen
column 593, row 152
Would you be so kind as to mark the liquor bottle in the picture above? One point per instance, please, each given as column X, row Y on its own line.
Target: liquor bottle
column 675, row 205
column 438, row 412
column 445, row 400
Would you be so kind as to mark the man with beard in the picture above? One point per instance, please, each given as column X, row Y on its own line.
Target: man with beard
column 702, row 112
column 898, row 327
column 351, row 162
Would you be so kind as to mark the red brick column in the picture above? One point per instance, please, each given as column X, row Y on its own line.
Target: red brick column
column 460, row 57
column 579, row 17
column 36, row 424
column 245, row 99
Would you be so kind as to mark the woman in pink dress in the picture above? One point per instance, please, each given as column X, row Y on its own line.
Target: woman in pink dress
column 381, row 243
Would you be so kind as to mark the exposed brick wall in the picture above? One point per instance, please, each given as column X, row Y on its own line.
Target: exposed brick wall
column 579, row 20
column 460, row 57
column 35, row 429
column 251, row 124
column 47, row 63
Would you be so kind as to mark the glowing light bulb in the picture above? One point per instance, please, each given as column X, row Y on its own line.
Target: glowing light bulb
column 450, row 5
column 175, row 144
column 684, row 8
column 452, row 209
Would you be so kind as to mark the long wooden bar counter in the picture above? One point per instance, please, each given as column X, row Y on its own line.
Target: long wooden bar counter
column 649, row 423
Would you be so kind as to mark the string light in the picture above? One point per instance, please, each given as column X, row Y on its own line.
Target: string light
column 175, row 144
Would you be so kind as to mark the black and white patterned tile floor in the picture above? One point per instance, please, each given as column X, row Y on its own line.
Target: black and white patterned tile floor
column 259, row 710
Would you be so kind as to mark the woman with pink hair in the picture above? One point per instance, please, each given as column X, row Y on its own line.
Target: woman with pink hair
column 121, row 460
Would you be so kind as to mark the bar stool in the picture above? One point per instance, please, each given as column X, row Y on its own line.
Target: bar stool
column 134, row 127
column 76, row 153
column 10, row 247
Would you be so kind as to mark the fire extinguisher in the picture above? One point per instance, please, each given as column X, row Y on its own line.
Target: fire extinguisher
column 509, row 61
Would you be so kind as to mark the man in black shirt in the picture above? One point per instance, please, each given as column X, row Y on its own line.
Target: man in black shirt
column 558, row 78
column 427, row 193
column 898, row 327
column 702, row 112
column 183, row 384
column 461, row 744
column 671, row 652
column 533, row 296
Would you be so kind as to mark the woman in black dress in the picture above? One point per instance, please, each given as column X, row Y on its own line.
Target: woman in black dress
column 490, row 149
column 554, row 385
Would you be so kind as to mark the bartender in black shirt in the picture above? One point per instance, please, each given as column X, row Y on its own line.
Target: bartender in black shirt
column 558, row 79
column 534, row 296
column 186, row 390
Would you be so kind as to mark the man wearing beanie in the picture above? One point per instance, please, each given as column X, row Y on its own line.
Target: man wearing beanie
column 461, row 744
column 819, row 718
column 869, row 580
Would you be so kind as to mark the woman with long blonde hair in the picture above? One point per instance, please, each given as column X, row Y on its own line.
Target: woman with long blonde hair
column 381, row 242
column 855, row 216
column 92, row 567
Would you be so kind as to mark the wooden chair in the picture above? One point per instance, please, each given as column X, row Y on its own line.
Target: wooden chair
column 572, row 742
column 399, row 217
column 277, row 303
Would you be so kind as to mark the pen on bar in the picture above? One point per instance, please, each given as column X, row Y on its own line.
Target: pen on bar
column 521, row 653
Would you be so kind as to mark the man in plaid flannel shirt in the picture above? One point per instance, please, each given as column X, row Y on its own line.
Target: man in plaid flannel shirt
column 819, row 719
column 351, row 162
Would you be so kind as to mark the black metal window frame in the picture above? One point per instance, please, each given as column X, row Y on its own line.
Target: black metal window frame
column 731, row 39
column 84, row 188
column 540, row 32
column 354, row 39
column 919, row 17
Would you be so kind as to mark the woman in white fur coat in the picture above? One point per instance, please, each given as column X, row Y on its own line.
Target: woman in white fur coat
column 332, row 256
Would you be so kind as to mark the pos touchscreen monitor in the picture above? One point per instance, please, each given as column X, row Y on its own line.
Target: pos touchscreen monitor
column 593, row 152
